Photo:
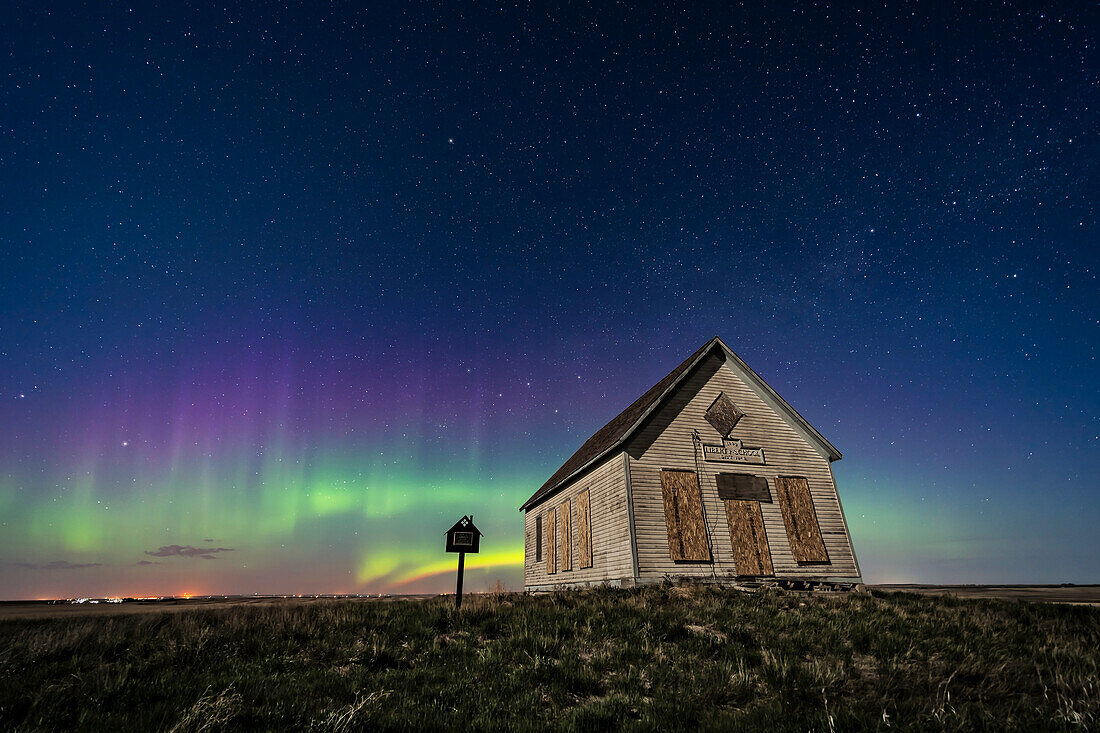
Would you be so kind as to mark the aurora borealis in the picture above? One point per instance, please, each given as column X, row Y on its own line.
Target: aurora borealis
column 288, row 290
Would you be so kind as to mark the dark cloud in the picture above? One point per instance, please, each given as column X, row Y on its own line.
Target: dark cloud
column 206, row 553
column 58, row 565
column 147, row 562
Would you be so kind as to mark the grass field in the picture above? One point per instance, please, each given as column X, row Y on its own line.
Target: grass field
column 666, row 657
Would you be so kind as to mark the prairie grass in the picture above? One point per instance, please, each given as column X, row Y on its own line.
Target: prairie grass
column 661, row 657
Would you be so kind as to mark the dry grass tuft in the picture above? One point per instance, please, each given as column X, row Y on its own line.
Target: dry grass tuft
column 706, row 631
column 353, row 716
column 209, row 712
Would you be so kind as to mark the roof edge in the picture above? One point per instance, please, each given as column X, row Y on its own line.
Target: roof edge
column 706, row 349
column 579, row 473
column 831, row 453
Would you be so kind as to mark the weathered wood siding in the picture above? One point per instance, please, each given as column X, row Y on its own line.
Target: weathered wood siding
column 665, row 442
column 607, row 516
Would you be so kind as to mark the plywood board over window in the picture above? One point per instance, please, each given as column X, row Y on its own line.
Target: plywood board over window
column 566, row 523
column 584, row 530
column 800, row 518
column 687, row 533
column 723, row 415
column 538, row 538
column 551, row 542
column 742, row 487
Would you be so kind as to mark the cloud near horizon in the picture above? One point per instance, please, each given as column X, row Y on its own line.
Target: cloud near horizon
column 58, row 565
column 206, row 553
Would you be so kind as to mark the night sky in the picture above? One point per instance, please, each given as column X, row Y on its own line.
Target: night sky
column 286, row 291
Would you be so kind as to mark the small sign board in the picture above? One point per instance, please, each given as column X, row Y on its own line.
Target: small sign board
column 463, row 536
column 733, row 451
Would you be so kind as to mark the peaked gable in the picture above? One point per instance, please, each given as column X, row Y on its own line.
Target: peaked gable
column 466, row 524
column 623, row 425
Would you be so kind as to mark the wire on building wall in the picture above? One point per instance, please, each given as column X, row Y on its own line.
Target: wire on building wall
column 696, row 443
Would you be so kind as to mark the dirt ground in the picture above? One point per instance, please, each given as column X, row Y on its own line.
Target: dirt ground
column 1080, row 594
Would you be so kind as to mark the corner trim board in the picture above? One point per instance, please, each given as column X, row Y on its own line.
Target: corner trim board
column 630, row 516
column 844, row 520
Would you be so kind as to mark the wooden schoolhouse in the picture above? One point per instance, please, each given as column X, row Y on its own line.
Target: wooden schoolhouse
column 709, row 475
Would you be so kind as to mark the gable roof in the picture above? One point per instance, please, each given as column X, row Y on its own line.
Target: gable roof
column 623, row 425
column 465, row 525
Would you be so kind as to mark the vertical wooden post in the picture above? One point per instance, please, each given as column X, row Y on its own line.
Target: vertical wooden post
column 458, row 594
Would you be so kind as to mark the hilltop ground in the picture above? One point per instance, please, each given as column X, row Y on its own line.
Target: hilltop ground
column 649, row 658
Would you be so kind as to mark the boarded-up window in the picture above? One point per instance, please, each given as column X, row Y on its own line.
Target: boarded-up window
column 723, row 415
column 742, row 487
column 801, row 519
column 687, row 534
column 538, row 538
column 551, row 542
column 566, row 524
column 584, row 530
column 751, row 555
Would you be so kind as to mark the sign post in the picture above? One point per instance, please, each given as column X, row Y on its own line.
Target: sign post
column 458, row 591
column 463, row 537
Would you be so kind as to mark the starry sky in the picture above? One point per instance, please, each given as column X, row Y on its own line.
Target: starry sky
column 288, row 289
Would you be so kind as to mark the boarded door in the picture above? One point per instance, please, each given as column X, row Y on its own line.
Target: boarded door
column 551, row 542
column 566, row 523
column 687, row 533
column 751, row 555
column 801, row 519
column 584, row 530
